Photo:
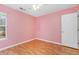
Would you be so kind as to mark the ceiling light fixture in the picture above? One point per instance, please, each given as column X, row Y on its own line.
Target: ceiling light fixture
column 36, row 6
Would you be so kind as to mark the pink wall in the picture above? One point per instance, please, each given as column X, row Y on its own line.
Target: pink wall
column 20, row 26
column 49, row 26
column 23, row 27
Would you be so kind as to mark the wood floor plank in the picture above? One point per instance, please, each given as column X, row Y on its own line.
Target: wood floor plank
column 38, row 47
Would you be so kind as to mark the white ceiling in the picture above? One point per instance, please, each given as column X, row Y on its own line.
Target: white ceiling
column 44, row 9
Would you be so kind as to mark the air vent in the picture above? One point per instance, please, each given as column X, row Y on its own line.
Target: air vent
column 22, row 9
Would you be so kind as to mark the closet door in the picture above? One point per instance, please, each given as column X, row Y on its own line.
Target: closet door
column 69, row 30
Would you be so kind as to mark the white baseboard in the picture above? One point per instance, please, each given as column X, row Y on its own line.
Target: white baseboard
column 29, row 41
column 54, row 42
column 15, row 44
column 48, row 41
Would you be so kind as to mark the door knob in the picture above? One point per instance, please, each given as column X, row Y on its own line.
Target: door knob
column 78, row 42
column 77, row 29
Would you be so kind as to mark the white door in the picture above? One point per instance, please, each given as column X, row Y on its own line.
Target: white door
column 68, row 29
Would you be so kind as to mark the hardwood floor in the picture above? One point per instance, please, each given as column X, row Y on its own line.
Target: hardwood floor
column 37, row 47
